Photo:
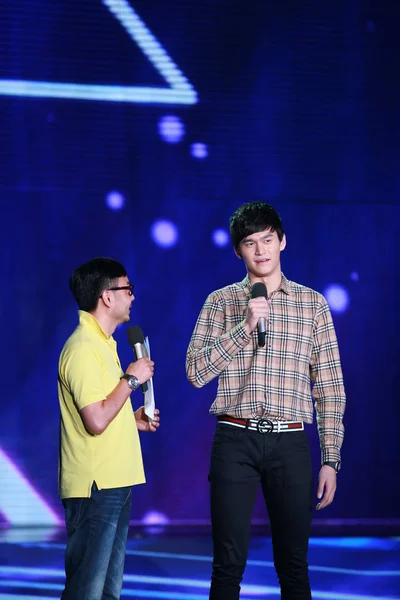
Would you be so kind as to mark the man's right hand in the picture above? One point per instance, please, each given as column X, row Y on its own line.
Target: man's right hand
column 143, row 369
column 257, row 308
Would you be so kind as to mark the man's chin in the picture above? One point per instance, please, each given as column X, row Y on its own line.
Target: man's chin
column 264, row 269
column 263, row 272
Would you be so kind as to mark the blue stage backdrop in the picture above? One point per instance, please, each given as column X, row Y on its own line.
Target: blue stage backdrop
column 133, row 130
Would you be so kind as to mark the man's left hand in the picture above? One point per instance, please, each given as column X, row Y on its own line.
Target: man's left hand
column 326, row 486
column 143, row 422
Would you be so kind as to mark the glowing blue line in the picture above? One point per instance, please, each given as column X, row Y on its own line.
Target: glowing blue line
column 340, row 596
column 247, row 590
column 35, row 585
column 18, row 597
column 180, row 91
column 136, row 593
column 147, row 579
column 32, row 571
column 358, row 543
column 30, row 508
column 125, row 591
column 166, row 595
column 109, row 93
column 146, row 41
column 250, row 563
column 190, row 557
column 263, row 563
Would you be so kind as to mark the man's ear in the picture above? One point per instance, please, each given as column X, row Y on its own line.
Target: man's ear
column 237, row 252
column 106, row 297
column 283, row 243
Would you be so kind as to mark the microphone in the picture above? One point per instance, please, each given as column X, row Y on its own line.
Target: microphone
column 259, row 290
column 136, row 340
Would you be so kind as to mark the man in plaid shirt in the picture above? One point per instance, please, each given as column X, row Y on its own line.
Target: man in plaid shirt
column 262, row 403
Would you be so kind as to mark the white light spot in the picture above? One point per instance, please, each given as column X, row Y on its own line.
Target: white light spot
column 115, row 200
column 155, row 518
column 164, row 234
column 171, row 129
column 337, row 297
column 354, row 276
column 220, row 237
column 199, row 150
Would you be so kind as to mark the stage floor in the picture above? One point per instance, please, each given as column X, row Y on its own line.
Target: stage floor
column 177, row 567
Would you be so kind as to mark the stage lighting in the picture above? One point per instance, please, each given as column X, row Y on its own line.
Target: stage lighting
column 171, row 129
column 220, row 237
column 199, row 150
column 154, row 517
column 337, row 297
column 164, row 234
column 115, row 200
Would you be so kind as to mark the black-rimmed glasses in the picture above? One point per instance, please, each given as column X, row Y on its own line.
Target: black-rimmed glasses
column 123, row 287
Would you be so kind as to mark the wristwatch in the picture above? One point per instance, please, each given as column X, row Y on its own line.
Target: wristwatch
column 334, row 464
column 132, row 381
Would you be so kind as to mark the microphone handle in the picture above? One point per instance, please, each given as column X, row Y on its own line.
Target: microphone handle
column 140, row 352
column 261, row 330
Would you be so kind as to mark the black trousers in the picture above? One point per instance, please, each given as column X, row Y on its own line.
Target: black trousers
column 241, row 460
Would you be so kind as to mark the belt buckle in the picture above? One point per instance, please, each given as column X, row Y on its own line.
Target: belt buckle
column 265, row 426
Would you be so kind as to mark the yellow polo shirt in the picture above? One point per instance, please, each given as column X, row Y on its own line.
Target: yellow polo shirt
column 89, row 369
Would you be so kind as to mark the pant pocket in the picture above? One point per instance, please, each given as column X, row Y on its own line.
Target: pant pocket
column 75, row 510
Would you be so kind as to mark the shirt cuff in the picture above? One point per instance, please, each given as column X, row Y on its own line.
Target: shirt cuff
column 330, row 454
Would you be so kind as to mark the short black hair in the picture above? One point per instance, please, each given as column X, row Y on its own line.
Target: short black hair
column 254, row 217
column 89, row 281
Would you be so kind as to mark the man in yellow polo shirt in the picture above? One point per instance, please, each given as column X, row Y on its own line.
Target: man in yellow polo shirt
column 100, row 455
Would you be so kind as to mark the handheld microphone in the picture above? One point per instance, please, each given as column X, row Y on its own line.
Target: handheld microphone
column 259, row 290
column 136, row 340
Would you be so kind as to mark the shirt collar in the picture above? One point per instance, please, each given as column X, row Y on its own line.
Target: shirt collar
column 284, row 286
column 88, row 321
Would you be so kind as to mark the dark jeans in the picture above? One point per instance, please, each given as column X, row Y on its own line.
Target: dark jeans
column 240, row 461
column 97, row 530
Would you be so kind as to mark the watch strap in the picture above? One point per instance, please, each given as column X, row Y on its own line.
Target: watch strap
column 131, row 378
column 335, row 464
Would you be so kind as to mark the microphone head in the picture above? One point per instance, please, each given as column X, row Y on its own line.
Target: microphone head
column 135, row 335
column 259, row 290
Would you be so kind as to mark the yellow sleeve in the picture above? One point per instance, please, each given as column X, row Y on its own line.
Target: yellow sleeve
column 83, row 375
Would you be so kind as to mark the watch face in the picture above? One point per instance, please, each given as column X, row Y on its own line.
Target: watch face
column 133, row 382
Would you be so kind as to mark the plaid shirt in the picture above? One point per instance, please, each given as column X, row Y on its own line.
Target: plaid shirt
column 272, row 381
